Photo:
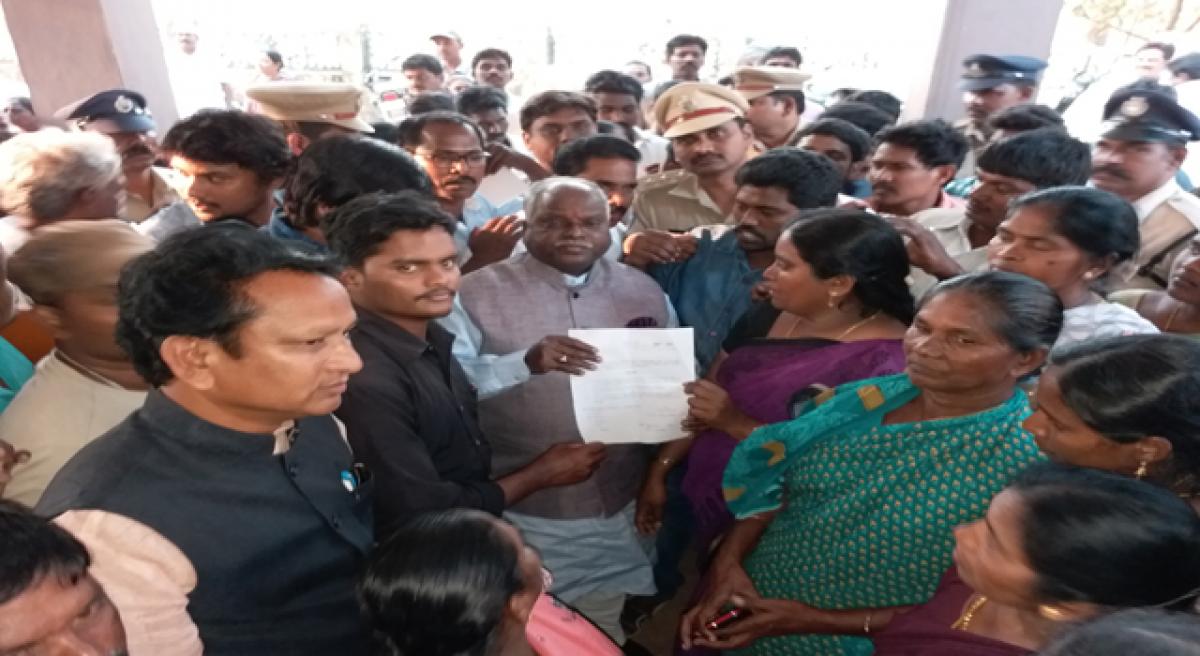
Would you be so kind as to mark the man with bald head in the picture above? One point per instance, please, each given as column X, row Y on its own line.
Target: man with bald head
column 585, row 532
column 69, row 270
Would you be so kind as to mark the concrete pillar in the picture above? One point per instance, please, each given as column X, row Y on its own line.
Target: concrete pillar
column 70, row 49
column 964, row 27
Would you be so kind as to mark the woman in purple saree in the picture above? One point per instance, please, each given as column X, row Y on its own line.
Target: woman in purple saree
column 762, row 378
column 839, row 306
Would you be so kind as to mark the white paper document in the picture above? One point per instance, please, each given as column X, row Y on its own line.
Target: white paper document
column 636, row 392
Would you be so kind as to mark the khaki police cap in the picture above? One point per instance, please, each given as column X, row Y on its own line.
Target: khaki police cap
column 757, row 81
column 690, row 107
column 320, row 102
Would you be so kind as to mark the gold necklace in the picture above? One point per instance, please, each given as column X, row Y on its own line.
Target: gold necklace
column 860, row 324
column 1171, row 318
column 856, row 326
column 969, row 614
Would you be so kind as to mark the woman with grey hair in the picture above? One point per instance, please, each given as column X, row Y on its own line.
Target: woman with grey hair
column 51, row 176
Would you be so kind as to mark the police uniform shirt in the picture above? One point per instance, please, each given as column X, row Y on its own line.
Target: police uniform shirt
column 674, row 201
column 1170, row 218
column 137, row 209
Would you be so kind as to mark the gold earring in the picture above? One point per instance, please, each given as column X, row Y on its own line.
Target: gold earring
column 1051, row 613
column 833, row 301
column 1141, row 470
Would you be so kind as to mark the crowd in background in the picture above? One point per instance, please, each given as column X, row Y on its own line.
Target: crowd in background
column 293, row 374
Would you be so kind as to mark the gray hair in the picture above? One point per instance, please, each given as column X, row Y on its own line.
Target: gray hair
column 543, row 189
column 69, row 256
column 42, row 173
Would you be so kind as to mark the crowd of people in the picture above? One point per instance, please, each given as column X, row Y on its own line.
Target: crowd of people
column 288, row 380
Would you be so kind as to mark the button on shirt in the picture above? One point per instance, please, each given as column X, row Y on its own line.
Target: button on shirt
column 710, row 290
column 411, row 417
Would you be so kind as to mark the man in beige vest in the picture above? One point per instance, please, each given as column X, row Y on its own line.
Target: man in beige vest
column 585, row 532
column 1137, row 158
column 711, row 139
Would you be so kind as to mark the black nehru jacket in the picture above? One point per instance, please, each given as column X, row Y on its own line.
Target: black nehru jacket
column 276, row 540
column 411, row 417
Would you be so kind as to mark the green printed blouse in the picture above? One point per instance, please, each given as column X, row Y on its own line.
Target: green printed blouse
column 867, row 509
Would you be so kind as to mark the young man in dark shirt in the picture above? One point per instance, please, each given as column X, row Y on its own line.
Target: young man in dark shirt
column 411, row 413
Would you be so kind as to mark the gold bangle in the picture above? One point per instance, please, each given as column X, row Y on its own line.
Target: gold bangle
column 867, row 623
column 666, row 462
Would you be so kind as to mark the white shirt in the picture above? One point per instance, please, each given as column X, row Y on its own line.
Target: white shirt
column 476, row 212
column 654, row 150
column 503, row 186
column 1146, row 204
column 1189, row 98
column 492, row 374
column 57, row 413
column 1104, row 319
column 13, row 233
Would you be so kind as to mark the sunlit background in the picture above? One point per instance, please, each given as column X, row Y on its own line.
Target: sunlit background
column 846, row 43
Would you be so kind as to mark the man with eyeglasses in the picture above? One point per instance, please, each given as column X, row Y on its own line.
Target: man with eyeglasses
column 451, row 149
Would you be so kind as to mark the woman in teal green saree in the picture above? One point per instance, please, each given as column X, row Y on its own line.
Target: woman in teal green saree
column 849, row 507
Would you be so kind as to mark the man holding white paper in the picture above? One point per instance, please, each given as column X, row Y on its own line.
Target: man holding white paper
column 511, row 320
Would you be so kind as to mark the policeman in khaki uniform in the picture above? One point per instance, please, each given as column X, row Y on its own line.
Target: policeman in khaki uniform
column 989, row 84
column 711, row 139
column 1137, row 157
column 122, row 116
column 309, row 111
column 776, row 102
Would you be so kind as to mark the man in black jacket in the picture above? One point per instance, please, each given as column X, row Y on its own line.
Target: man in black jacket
column 235, row 458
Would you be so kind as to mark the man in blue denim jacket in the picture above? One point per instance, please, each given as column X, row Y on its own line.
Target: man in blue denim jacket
column 709, row 273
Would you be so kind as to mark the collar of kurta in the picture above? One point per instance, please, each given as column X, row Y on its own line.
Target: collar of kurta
column 558, row 279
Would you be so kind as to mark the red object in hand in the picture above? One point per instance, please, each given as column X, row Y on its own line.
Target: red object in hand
column 725, row 619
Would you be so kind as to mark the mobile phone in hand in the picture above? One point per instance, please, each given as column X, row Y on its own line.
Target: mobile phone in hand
column 725, row 619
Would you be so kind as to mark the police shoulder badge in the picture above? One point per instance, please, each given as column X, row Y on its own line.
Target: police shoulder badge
column 1134, row 107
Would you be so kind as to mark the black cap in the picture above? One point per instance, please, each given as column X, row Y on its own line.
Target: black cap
column 1137, row 115
column 990, row 71
column 120, row 110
